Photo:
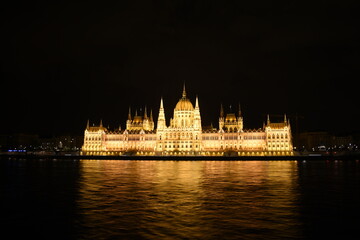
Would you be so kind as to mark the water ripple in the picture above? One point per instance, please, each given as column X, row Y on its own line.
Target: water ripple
column 188, row 200
column 91, row 199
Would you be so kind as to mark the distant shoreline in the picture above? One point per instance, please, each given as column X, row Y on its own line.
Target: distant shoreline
column 185, row 158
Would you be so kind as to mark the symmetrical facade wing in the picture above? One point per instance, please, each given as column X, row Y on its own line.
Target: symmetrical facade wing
column 186, row 136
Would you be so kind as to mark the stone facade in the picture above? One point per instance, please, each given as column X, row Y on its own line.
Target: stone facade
column 185, row 135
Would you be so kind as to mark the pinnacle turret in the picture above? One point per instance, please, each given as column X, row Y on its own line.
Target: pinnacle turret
column 145, row 113
column 151, row 115
column 129, row 115
column 221, row 111
column 240, row 115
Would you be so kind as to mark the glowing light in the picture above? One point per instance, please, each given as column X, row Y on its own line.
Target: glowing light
column 186, row 136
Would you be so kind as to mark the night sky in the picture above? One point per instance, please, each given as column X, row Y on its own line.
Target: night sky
column 62, row 64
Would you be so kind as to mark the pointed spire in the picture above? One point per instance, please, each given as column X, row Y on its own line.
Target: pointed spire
column 197, row 102
column 151, row 115
column 285, row 118
column 129, row 115
column 184, row 92
column 268, row 119
column 239, row 111
column 161, row 103
column 135, row 112
column 145, row 113
column 221, row 111
column 161, row 118
column 101, row 124
column 88, row 124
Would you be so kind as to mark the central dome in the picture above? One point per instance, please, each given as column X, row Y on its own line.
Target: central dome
column 184, row 103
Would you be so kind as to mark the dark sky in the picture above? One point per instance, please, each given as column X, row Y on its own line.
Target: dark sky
column 64, row 63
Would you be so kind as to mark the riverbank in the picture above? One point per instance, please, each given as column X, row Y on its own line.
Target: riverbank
column 184, row 158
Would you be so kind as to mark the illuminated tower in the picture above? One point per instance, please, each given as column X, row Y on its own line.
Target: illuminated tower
column 138, row 122
column 221, row 118
column 278, row 136
column 240, row 120
column 146, row 121
column 197, row 136
column 94, row 139
column 230, row 122
column 128, row 121
column 197, row 117
column 161, row 124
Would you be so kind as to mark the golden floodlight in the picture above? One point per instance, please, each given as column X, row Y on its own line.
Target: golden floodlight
column 186, row 136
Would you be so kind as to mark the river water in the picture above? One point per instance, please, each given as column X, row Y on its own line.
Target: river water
column 101, row 199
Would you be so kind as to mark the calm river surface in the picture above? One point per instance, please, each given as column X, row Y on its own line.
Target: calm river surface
column 101, row 199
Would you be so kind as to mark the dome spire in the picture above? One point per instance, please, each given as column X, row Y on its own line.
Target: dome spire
column 184, row 92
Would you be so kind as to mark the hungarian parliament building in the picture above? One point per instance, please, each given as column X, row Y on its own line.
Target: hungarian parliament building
column 186, row 136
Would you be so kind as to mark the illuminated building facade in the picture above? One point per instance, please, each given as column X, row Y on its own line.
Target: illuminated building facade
column 186, row 136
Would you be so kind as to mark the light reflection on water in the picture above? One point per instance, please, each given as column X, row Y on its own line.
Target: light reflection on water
column 98, row 199
column 189, row 199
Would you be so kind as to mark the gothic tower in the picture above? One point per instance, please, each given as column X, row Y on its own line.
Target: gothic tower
column 161, row 124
